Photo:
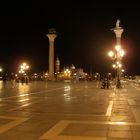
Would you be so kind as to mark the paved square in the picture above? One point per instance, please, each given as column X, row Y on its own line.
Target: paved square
column 10, row 124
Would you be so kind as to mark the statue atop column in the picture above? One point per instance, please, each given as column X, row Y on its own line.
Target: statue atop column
column 52, row 31
column 118, row 23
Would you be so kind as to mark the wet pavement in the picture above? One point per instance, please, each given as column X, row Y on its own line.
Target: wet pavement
column 69, row 111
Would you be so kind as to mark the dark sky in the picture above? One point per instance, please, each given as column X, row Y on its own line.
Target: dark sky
column 84, row 34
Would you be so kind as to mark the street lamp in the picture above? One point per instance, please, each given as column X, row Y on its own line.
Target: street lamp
column 1, row 69
column 67, row 73
column 122, row 70
column 23, row 68
column 117, row 55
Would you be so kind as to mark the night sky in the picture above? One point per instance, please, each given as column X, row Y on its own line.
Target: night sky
column 84, row 34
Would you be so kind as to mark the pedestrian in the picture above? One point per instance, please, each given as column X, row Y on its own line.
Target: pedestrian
column 26, row 79
column 4, row 79
column 107, row 83
column 12, row 79
column 103, row 83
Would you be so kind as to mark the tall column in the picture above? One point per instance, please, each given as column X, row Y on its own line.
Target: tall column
column 118, row 32
column 51, row 36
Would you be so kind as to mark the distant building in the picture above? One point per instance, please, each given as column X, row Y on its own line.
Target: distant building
column 57, row 65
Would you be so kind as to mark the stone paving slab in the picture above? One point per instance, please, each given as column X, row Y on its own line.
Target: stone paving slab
column 122, row 118
column 10, row 124
column 85, row 130
column 119, row 128
column 120, row 134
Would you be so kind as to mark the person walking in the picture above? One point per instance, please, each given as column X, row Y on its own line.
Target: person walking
column 4, row 79
column 12, row 79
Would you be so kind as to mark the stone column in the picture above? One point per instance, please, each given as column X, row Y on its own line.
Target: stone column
column 118, row 32
column 51, row 36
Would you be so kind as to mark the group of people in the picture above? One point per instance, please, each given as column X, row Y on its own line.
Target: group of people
column 105, row 82
column 10, row 78
column 14, row 79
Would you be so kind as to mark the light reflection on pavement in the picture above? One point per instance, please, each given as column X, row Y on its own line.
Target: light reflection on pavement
column 57, row 110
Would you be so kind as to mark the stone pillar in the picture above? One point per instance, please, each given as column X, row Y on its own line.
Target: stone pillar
column 51, row 36
column 118, row 32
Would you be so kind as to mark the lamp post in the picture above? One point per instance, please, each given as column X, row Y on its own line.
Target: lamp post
column 117, row 56
column 23, row 72
column 118, row 66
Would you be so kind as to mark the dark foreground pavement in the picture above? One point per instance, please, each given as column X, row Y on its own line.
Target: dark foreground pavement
column 69, row 111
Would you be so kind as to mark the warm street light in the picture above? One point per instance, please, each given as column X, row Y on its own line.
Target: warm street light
column 117, row 55
column 114, row 66
column 21, row 71
column 117, row 47
column 120, row 65
column 67, row 73
column 111, row 53
column 23, row 68
column 122, row 70
column 122, row 53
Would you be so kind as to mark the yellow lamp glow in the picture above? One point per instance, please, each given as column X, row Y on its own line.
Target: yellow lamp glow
column 117, row 47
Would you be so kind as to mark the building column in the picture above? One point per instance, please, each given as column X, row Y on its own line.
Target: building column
column 51, row 36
